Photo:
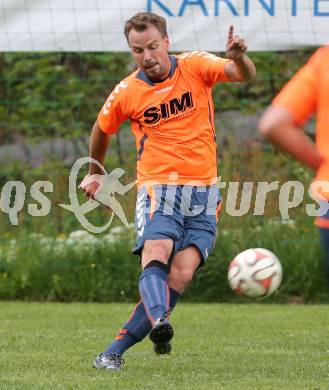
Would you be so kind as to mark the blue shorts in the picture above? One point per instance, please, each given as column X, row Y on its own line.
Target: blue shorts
column 186, row 214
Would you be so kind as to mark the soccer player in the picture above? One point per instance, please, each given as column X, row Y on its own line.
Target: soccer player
column 306, row 94
column 168, row 101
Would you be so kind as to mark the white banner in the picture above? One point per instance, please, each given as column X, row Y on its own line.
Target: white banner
column 97, row 25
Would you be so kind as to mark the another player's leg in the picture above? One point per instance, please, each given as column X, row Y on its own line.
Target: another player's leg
column 325, row 240
column 322, row 222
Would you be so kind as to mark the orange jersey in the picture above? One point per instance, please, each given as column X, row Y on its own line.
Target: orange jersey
column 307, row 93
column 173, row 121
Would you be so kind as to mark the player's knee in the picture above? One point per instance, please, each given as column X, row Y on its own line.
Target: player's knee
column 186, row 276
column 156, row 250
column 179, row 278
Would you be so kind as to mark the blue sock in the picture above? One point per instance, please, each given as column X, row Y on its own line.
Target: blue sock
column 174, row 296
column 325, row 241
column 137, row 327
column 154, row 291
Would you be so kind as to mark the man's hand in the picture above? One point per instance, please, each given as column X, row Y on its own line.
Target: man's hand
column 240, row 68
column 235, row 47
column 90, row 185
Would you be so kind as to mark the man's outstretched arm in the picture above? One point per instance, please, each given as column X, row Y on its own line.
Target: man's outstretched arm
column 241, row 68
column 99, row 142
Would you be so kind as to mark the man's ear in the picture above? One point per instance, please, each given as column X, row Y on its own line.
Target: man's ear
column 167, row 42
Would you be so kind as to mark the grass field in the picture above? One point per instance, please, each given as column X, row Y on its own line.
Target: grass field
column 218, row 346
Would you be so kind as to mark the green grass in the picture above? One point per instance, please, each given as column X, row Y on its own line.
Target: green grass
column 219, row 346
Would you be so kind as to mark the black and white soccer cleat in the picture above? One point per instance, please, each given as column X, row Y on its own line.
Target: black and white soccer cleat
column 161, row 334
column 109, row 362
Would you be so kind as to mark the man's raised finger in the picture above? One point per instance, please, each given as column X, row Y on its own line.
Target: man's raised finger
column 230, row 33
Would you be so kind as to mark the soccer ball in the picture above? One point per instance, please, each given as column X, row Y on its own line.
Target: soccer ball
column 254, row 273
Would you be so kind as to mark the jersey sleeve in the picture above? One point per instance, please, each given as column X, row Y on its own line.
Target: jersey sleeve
column 114, row 111
column 210, row 67
column 299, row 96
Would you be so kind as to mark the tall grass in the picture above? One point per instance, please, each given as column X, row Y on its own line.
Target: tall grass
column 81, row 267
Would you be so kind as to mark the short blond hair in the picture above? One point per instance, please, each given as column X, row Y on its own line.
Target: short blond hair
column 142, row 20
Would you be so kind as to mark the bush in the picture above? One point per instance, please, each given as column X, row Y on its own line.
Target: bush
column 82, row 267
column 78, row 267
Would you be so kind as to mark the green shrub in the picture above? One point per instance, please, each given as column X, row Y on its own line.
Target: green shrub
column 79, row 267
column 82, row 267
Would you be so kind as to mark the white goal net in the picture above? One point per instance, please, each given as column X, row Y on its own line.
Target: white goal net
column 97, row 25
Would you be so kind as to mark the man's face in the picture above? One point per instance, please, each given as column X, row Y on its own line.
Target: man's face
column 150, row 51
